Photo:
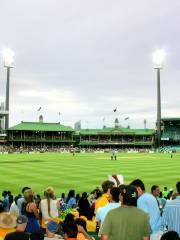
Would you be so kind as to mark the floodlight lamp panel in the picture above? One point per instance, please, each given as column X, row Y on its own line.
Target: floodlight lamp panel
column 159, row 58
column 8, row 57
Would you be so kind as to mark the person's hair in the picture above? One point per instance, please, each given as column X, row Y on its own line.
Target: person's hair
column 15, row 199
column 81, row 222
column 1, row 206
column 170, row 235
column 29, row 196
column 71, row 194
column 24, row 189
column 128, row 195
column 178, row 187
column 69, row 218
column 153, row 188
column 115, row 191
column 70, row 229
column 4, row 193
column 107, row 185
column 138, row 183
column 49, row 194
column 77, row 197
column 62, row 195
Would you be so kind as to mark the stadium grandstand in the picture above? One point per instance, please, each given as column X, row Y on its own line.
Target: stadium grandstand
column 170, row 138
column 55, row 135
column 40, row 134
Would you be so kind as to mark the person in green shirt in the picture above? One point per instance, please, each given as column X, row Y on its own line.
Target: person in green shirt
column 126, row 222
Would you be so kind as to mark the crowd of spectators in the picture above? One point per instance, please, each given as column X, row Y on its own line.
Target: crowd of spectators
column 66, row 149
column 117, row 211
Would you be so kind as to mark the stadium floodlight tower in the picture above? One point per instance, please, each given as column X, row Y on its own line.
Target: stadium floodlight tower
column 158, row 60
column 8, row 57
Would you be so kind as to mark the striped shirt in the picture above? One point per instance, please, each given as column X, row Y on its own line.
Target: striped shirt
column 171, row 215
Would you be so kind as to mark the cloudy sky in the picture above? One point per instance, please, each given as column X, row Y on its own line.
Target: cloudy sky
column 83, row 58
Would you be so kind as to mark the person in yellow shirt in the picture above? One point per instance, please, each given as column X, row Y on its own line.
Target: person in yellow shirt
column 104, row 199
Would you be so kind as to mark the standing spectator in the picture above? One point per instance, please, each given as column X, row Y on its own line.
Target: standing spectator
column 20, row 233
column 148, row 203
column 71, row 200
column 127, row 221
column 104, row 199
column 171, row 214
column 114, row 203
column 155, row 190
column 165, row 193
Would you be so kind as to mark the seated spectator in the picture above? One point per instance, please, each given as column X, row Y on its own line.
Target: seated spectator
column 104, row 199
column 51, row 230
column 49, row 207
column 83, row 204
column 5, row 201
column 127, row 221
column 71, row 200
column 7, row 223
column 171, row 213
column 29, row 209
column 21, row 199
column 14, row 208
column 82, row 231
column 171, row 235
column 90, row 220
column 70, row 231
column 20, row 233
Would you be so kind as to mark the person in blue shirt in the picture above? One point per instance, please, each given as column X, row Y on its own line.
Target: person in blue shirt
column 71, row 200
column 148, row 203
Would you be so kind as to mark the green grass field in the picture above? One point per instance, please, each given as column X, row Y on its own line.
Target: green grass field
column 84, row 172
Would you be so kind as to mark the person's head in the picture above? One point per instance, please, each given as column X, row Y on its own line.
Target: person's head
column 24, row 189
column 165, row 188
column 4, row 193
column 15, row 199
column 71, row 194
column 81, row 222
column 70, row 230
column 139, row 186
column 1, row 206
column 7, row 220
column 129, row 196
column 178, row 187
column 114, row 194
column 29, row 195
column 63, row 195
column 49, row 193
column 155, row 190
column 170, row 235
column 84, row 195
column 52, row 228
column 107, row 186
column 21, row 222
column 69, row 218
